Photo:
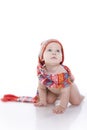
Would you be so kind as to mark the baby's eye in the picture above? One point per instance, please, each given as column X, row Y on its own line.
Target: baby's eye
column 49, row 50
column 58, row 50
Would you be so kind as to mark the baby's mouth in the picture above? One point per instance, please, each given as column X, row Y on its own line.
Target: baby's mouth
column 53, row 57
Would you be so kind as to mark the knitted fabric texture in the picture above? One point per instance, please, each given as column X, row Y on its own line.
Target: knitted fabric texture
column 61, row 80
column 53, row 81
column 14, row 98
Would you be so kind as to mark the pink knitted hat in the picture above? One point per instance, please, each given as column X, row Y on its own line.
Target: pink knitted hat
column 44, row 44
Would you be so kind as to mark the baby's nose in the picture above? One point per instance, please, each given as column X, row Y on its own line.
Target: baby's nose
column 53, row 53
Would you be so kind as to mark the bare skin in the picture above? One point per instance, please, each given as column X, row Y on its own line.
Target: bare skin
column 52, row 57
column 69, row 94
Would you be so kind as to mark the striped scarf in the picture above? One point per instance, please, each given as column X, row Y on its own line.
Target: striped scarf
column 53, row 81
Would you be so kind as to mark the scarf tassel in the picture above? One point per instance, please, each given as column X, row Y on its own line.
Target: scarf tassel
column 14, row 98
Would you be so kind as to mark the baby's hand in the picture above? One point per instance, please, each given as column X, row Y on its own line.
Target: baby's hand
column 40, row 103
column 59, row 109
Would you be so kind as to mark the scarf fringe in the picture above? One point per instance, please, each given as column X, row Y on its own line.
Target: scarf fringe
column 14, row 98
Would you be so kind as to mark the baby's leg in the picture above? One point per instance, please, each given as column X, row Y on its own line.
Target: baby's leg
column 51, row 97
column 42, row 96
column 64, row 99
column 75, row 96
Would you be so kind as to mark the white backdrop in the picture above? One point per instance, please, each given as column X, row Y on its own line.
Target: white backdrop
column 24, row 24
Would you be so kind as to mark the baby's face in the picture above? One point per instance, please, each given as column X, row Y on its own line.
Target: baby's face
column 52, row 54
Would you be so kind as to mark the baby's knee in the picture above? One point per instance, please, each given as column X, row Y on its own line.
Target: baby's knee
column 76, row 102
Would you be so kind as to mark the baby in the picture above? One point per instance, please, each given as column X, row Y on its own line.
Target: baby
column 55, row 80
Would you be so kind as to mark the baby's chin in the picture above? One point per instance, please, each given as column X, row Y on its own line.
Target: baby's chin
column 52, row 63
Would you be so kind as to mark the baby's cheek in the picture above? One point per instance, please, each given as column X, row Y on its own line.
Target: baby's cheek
column 59, row 58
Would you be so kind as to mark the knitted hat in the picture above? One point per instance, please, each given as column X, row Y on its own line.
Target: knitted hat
column 44, row 44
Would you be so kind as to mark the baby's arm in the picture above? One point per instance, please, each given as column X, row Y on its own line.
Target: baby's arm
column 42, row 96
column 64, row 99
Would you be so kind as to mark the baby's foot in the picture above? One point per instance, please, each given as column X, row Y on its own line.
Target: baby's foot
column 39, row 104
column 59, row 109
